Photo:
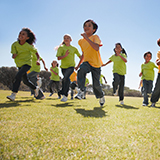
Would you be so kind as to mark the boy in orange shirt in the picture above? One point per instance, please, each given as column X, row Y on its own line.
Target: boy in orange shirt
column 92, row 62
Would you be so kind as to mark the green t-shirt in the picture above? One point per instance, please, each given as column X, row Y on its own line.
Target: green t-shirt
column 101, row 81
column 119, row 66
column 68, row 61
column 24, row 53
column 148, row 71
column 53, row 76
column 35, row 67
column 86, row 82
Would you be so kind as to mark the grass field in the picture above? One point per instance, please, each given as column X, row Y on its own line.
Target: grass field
column 78, row 129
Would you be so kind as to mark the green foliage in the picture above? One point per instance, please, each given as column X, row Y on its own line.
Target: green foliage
column 78, row 129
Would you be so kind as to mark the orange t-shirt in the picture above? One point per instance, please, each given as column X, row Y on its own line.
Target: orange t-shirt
column 73, row 77
column 91, row 55
column 158, row 57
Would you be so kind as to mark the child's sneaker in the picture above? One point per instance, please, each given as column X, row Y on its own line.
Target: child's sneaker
column 64, row 99
column 121, row 102
column 71, row 98
column 102, row 101
column 42, row 98
column 50, row 94
column 153, row 105
column 79, row 95
column 36, row 91
column 12, row 97
column 144, row 104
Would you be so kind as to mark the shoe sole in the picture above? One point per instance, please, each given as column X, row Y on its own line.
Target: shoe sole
column 10, row 99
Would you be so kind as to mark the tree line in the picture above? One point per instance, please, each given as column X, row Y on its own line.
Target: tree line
column 7, row 75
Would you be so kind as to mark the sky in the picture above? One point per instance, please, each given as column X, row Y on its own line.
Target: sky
column 133, row 23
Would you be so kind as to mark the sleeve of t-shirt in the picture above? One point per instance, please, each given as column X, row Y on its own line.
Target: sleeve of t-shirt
column 111, row 58
column 97, row 40
column 77, row 52
column 32, row 49
column 59, row 52
column 13, row 48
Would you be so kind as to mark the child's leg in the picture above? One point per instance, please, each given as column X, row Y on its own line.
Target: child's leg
column 121, row 88
column 66, row 80
column 22, row 71
column 96, row 72
column 50, row 86
column 116, row 81
column 145, row 95
column 150, row 86
column 156, row 93
column 33, row 78
column 81, row 75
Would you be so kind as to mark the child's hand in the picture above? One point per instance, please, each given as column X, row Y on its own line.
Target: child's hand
column 14, row 56
column 84, row 35
column 38, row 63
column 76, row 68
column 67, row 53
column 158, row 62
column 140, row 74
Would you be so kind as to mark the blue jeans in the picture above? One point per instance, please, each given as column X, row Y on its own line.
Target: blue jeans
column 66, row 80
column 22, row 74
column 85, row 68
column 147, row 88
column 33, row 78
column 156, row 92
column 118, row 80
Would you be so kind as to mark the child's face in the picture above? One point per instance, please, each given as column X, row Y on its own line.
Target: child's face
column 67, row 39
column 88, row 28
column 118, row 48
column 54, row 63
column 148, row 57
column 23, row 36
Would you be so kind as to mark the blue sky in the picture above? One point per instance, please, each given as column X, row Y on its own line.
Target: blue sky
column 133, row 23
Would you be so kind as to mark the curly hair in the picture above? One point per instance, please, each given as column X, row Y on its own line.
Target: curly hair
column 31, row 35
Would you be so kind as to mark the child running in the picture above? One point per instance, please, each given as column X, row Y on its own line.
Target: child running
column 54, row 79
column 156, row 92
column 119, row 60
column 92, row 62
column 33, row 75
column 22, row 54
column 66, row 53
column 147, row 75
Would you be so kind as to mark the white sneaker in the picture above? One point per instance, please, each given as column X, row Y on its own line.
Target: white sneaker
column 42, row 98
column 121, row 102
column 79, row 95
column 144, row 104
column 153, row 105
column 12, row 97
column 39, row 82
column 36, row 91
column 64, row 99
column 102, row 101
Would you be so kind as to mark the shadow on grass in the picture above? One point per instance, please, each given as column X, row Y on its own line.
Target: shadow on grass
column 126, row 106
column 15, row 103
column 96, row 112
column 63, row 104
column 51, row 98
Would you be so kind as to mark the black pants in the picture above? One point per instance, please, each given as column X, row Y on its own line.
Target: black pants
column 22, row 74
column 118, row 80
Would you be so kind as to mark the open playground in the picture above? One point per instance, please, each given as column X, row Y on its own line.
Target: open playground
column 78, row 129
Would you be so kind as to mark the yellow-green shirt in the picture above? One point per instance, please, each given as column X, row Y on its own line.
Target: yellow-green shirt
column 68, row 61
column 101, row 81
column 119, row 66
column 53, row 76
column 148, row 71
column 86, row 82
column 35, row 67
column 24, row 53
column 91, row 55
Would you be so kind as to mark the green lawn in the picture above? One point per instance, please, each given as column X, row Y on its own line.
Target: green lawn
column 78, row 129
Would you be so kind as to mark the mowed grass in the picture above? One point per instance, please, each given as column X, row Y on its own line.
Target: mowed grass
column 78, row 129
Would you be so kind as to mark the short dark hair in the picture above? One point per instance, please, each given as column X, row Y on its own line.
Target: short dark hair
column 95, row 26
column 148, row 53
column 158, row 42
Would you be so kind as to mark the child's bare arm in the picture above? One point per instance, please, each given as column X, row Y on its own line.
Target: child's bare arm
column 106, row 63
column 61, row 57
column 93, row 45
column 53, row 72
